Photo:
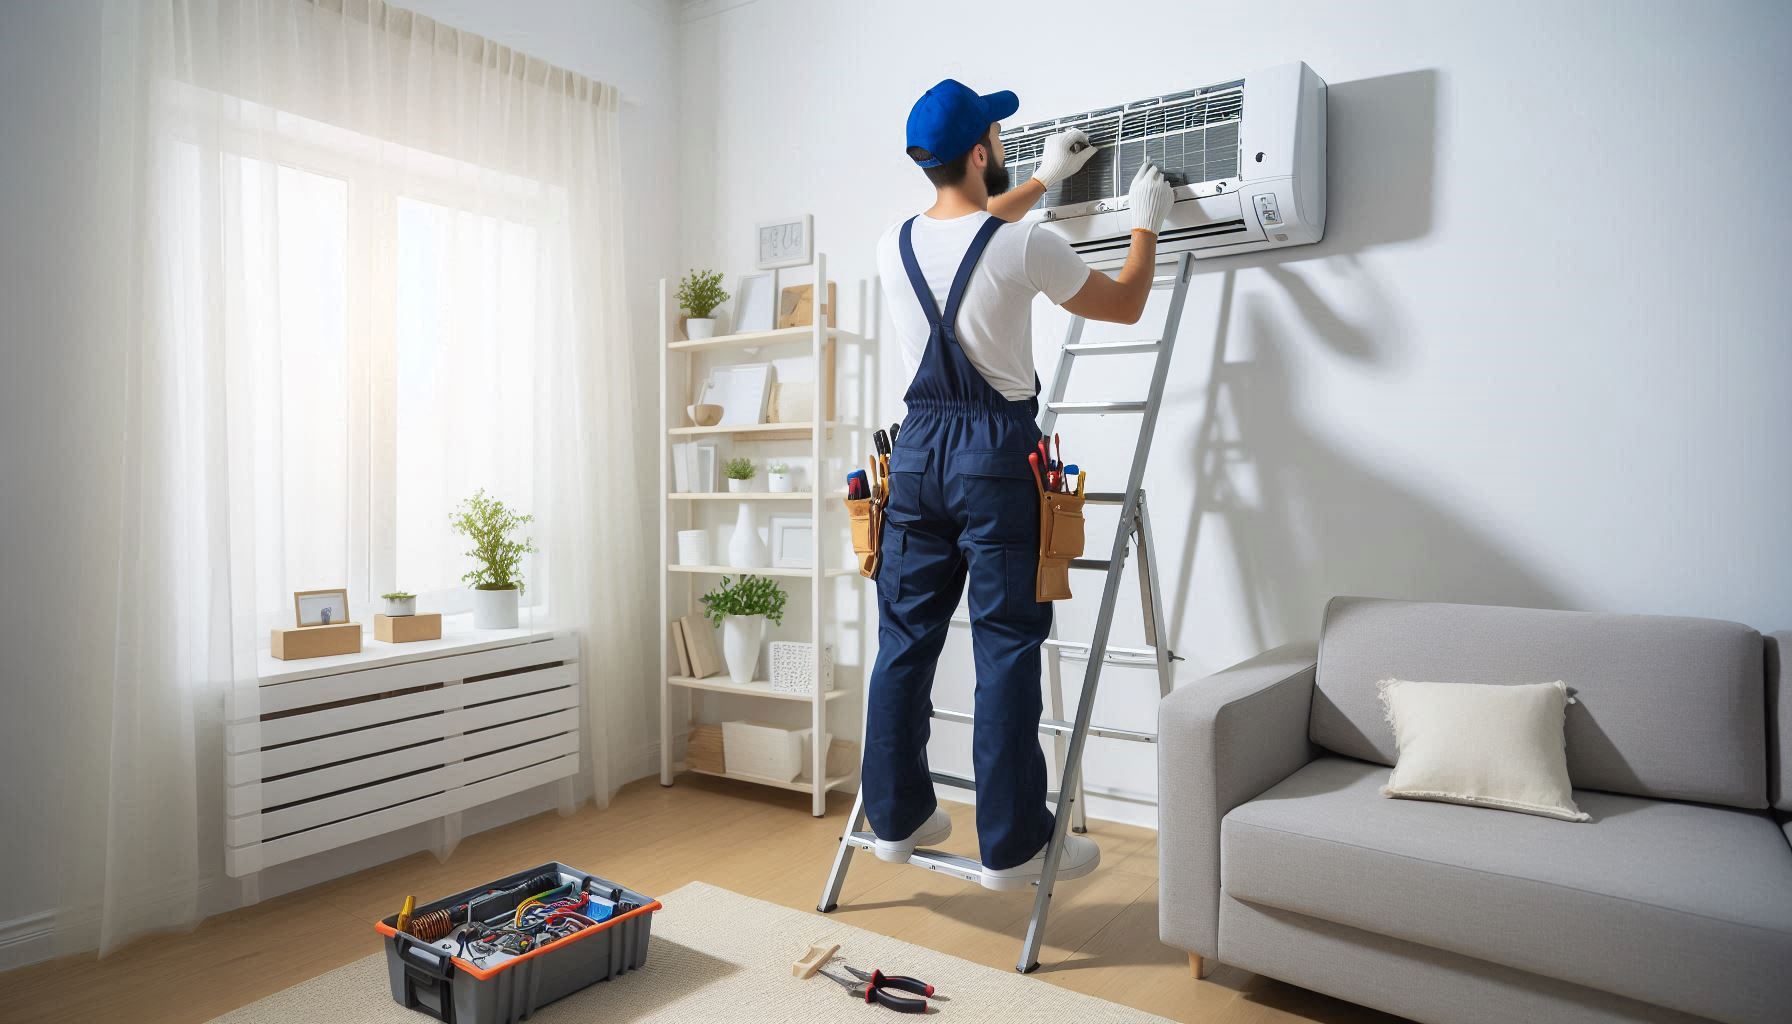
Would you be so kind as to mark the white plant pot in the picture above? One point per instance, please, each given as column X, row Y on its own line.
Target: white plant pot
column 739, row 486
column 779, row 483
column 494, row 609
column 741, row 636
column 745, row 549
column 698, row 328
column 397, row 606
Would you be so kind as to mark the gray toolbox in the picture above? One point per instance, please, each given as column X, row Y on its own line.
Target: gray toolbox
column 445, row 979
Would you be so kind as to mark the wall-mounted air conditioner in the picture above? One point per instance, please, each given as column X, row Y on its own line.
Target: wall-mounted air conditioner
column 1247, row 159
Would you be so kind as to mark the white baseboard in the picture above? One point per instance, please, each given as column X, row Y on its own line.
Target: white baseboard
column 27, row 940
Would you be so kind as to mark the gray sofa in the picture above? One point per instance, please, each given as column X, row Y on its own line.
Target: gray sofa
column 1674, row 903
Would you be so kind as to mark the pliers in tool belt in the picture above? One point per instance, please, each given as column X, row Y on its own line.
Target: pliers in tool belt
column 874, row 988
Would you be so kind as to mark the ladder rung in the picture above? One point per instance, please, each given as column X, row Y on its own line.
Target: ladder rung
column 955, row 781
column 1055, row 727
column 1096, row 564
column 966, row 782
column 1111, row 348
column 1094, row 408
column 1079, row 650
column 966, row 868
column 1104, row 498
column 1167, row 281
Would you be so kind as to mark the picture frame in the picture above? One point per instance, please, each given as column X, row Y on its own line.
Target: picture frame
column 742, row 390
column 693, row 467
column 755, row 303
column 793, row 542
column 320, row 607
column 785, row 243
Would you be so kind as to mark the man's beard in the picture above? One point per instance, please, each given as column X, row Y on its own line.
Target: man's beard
column 995, row 178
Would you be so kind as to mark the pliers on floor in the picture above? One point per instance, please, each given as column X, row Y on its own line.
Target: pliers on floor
column 874, row 988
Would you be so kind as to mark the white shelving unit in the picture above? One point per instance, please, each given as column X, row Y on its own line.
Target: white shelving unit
column 682, row 584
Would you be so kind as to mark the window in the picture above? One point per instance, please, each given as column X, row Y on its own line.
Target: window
column 381, row 314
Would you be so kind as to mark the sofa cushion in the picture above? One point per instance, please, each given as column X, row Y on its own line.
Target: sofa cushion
column 1673, row 904
column 1665, row 707
column 1779, row 717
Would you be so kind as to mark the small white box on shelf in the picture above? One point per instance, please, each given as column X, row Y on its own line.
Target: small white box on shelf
column 793, row 670
column 764, row 750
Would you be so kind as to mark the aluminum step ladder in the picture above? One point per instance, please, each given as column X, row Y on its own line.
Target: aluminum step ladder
column 1069, row 736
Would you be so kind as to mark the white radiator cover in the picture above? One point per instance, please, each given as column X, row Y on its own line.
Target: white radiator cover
column 330, row 760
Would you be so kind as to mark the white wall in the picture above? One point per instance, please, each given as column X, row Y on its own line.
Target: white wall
column 1542, row 357
column 59, row 385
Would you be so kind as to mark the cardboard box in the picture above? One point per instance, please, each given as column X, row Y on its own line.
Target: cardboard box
column 315, row 641
column 403, row 629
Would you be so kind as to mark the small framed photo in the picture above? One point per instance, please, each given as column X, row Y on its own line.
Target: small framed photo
column 320, row 607
column 786, row 243
column 755, row 303
column 793, row 542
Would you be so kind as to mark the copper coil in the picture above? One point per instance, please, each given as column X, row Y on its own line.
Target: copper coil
column 432, row 926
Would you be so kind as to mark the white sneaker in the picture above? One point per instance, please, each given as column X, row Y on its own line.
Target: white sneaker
column 932, row 832
column 1079, row 858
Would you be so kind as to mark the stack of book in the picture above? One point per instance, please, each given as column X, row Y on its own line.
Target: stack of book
column 694, row 643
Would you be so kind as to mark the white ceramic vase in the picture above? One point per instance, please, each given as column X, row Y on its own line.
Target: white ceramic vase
column 397, row 606
column 741, row 636
column 698, row 328
column 745, row 549
column 778, row 483
column 494, row 609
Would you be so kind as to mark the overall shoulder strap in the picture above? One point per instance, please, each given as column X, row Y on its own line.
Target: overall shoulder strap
column 971, row 256
column 922, row 293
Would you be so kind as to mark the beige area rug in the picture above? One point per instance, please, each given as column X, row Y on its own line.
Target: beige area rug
column 720, row 956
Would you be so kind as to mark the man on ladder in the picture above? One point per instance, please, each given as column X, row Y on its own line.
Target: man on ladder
column 960, row 280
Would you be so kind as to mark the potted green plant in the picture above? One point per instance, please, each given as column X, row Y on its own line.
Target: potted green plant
column 742, row 607
column 497, row 573
column 739, row 472
column 399, row 603
column 777, row 478
column 698, row 295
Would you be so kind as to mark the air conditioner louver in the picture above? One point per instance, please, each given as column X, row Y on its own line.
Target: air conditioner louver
column 1192, row 136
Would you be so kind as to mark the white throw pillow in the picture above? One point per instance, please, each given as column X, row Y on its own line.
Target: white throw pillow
column 1490, row 746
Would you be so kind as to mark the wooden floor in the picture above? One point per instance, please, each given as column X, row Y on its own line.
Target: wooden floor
column 1102, row 938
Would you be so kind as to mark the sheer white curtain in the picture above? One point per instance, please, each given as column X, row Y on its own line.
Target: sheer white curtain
column 376, row 265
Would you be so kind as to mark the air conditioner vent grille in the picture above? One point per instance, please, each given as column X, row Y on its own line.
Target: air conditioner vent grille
column 1192, row 135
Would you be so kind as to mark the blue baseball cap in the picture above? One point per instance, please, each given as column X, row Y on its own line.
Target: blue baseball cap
column 950, row 118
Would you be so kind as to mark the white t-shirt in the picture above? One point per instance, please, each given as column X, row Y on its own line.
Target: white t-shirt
column 995, row 322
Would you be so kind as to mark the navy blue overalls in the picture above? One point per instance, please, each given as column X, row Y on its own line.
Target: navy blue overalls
column 962, row 502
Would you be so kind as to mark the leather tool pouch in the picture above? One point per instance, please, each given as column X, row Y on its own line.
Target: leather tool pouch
column 867, row 518
column 1060, row 540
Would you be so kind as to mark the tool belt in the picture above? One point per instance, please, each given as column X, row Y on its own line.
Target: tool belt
column 1060, row 540
column 867, row 518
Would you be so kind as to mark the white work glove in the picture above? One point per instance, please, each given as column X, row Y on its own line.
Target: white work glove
column 1065, row 154
column 1149, row 199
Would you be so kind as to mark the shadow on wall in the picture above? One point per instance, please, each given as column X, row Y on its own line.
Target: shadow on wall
column 1306, row 519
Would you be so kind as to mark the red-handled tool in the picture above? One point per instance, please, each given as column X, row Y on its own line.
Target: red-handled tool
column 874, row 992
column 901, row 982
column 1033, row 460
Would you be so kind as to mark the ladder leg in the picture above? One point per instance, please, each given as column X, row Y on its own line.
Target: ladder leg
column 1070, row 784
column 1054, row 683
column 1072, row 780
column 1152, row 600
column 830, row 895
